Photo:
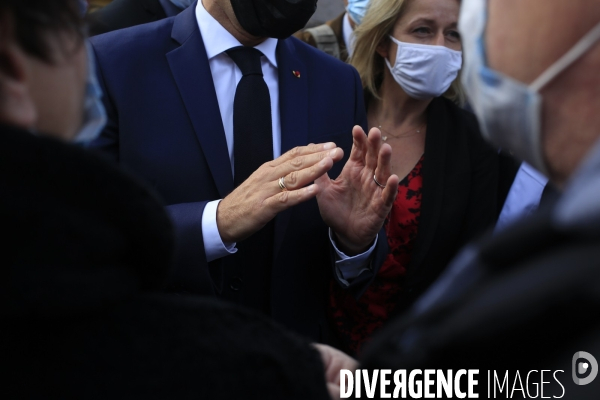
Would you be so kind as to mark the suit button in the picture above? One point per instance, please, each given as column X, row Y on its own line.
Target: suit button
column 236, row 284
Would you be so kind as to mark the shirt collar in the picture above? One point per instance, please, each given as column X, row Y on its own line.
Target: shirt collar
column 348, row 34
column 218, row 40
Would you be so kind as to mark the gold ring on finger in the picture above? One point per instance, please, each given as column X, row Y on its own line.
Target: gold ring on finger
column 282, row 184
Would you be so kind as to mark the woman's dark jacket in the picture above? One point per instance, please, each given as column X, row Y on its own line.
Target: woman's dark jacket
column 85, row 251
column 459, row 195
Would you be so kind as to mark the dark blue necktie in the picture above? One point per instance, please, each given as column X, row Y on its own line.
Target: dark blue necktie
column 248, row 272
column 252, row 130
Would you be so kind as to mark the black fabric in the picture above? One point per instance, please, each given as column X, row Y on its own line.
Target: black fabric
column 158, row 347
column 252, row 130
column 121, row 14
column 273, row 18
column 533, row 306
column 71, row 217
column 85, row 251
column 249, row 270
column 460, row 181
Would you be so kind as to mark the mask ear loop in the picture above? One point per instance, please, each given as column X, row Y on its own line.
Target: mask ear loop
column 559, row 66
column 568, row 59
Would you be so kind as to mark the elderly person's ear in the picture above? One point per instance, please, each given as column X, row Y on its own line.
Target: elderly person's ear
column 16, row 105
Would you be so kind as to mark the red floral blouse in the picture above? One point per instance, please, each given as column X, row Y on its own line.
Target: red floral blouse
column 356, row 320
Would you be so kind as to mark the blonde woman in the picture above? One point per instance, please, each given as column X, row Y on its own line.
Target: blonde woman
column 408, row 55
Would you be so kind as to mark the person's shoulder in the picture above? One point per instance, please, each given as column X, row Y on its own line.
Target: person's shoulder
column 136, row 38
column 58, row 158
column 306, row 37
column 515, row 282
column 51, row 176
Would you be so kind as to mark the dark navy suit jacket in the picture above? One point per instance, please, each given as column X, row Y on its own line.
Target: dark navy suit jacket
column 165, row 125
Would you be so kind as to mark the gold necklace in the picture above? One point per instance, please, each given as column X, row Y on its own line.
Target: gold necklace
column 402, row 135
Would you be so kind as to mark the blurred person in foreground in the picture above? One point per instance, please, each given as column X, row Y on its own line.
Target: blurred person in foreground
column 526, row 299
column 408, row 54
column 87, row 249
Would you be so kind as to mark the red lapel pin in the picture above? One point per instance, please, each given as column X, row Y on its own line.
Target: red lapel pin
column 296, row 74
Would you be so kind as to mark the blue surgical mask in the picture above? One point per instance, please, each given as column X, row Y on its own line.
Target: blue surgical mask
column 357, row 10
column 94, row 118
column 509, row 111
column 183, row 4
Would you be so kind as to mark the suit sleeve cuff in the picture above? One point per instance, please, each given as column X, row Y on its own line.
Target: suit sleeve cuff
column 213, row 245
column 347, row 268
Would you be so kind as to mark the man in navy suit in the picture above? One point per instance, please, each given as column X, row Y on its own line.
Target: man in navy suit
column 169, row 92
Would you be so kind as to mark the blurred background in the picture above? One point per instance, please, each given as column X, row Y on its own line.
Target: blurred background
column 96, row 4
column 326, row 10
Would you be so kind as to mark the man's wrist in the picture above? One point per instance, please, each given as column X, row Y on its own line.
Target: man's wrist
column 222, row 223
column 348, row 247
column 214, row 246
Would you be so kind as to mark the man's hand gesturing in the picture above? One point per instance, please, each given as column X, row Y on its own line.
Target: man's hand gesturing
column 259, row 199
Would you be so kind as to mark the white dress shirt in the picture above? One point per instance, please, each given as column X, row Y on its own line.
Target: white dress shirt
column 226, row 76
column 348, row 33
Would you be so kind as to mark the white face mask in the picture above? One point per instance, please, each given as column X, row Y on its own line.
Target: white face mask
column 425, row 71
column 94, row 118
column 509, row 111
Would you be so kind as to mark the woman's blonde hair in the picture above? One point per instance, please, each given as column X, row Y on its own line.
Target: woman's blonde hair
column 375, row 28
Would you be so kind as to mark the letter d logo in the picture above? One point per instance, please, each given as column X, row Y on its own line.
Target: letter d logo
column 583, row 367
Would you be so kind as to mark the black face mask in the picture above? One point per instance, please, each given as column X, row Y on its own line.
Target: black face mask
column 273, row 18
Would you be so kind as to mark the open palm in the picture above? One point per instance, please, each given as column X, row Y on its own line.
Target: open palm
column 354, row 206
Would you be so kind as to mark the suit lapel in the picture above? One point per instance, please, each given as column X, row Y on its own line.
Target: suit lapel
column 433, row 182
column 191, row 71
column 293, row 97
column 293, row 111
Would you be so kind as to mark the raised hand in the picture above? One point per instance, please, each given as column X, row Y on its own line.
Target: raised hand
column 354, row 206
column 259, row 199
